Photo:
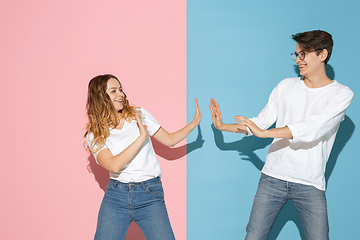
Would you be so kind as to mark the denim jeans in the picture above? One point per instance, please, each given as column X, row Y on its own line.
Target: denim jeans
column 271, row 196
column 140, row 202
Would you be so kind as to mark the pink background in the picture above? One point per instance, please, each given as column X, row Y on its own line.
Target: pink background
column 50, row 187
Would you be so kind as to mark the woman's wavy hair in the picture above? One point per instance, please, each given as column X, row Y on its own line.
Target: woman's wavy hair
column 101, row 112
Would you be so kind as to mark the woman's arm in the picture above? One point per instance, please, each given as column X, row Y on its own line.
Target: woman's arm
column 117, row 162
column 218, row 123
column 171, row 139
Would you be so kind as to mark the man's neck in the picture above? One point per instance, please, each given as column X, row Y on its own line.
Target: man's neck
column 317, row 80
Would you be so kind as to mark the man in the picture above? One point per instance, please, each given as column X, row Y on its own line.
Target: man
column 307, row 111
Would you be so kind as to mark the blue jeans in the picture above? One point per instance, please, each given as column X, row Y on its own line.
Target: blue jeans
column 140, row 202
column 271, row 196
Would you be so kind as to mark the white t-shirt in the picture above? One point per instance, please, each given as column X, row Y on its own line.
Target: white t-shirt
column 313, row 116
column 145, row 165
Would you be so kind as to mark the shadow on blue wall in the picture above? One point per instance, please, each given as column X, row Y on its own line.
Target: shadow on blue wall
column 248, row 145
column 101, row 175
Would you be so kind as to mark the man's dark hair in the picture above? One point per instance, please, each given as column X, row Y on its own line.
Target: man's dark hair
column 315, row 40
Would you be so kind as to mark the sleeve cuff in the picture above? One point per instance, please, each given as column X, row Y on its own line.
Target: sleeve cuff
column 96, row 153
column 152, row 133
column 294, row 133
column 249, row 133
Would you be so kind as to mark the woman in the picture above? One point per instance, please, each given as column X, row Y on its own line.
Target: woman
column 118, row 136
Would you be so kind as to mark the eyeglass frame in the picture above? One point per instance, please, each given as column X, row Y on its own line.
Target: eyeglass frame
column 297, row 54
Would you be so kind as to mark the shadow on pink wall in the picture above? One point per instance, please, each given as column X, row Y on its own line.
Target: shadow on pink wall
column 101, row 175
column 171, row 154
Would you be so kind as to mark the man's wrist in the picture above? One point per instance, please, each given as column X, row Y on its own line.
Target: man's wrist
column 221, row 127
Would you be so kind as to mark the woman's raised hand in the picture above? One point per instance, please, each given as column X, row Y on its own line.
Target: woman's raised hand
column 142, row 128
column 198, row 114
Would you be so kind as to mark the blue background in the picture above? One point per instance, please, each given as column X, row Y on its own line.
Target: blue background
column 237, row 53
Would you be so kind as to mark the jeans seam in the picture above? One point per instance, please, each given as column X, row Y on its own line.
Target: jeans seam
column 272, row 222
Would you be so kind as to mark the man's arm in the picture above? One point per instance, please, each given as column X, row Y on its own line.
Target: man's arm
column 283, row 132
column 318, row 125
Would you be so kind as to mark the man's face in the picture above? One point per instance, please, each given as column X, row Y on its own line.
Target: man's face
column 311, row 64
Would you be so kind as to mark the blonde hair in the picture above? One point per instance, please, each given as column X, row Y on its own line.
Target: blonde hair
column 101, row 112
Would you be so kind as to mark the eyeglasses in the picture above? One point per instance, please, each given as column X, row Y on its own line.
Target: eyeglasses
column 301, row 54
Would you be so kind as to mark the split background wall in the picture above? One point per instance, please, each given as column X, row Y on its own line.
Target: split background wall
column 166, row 53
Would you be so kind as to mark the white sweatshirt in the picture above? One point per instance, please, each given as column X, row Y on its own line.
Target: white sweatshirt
column 313, row 116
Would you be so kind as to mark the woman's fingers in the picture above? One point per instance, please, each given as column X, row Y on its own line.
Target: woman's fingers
column 197, row 105
column 198, row 114
column 137, row 118
column 142, row 127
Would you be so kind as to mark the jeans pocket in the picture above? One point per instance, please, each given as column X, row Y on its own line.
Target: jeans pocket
column 154, row 188
column 267, row 179
column 110, row 185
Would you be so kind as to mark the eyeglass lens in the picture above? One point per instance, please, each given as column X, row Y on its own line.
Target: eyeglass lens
column 301, row 55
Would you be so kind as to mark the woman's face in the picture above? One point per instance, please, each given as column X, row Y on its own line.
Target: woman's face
column 114, row 90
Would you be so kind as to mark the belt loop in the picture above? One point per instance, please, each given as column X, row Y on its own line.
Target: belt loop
column 143, row 185
column 115, row 183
